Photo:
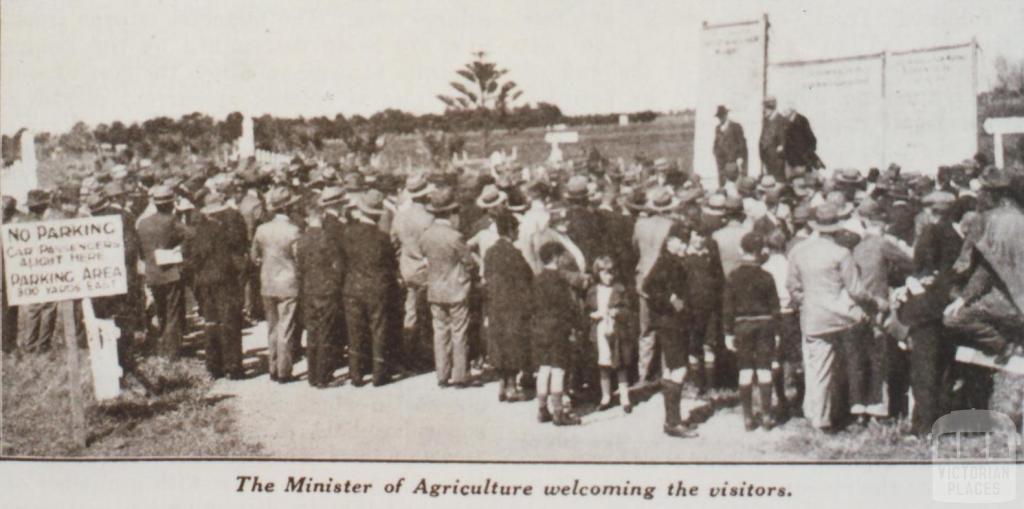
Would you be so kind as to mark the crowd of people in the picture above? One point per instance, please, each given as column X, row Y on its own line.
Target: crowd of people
column 828, row 294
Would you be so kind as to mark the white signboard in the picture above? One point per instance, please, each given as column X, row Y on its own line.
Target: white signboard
column 731, row 74
column 65, row 259
column 932, row 107
column 844, row 101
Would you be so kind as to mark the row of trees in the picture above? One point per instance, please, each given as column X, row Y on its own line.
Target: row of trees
column 481, row 99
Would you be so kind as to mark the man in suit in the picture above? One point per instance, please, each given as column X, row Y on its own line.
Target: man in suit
column 161, row 234
column 770, row 146
column 218, row 255
column 250, row 205
column 649, row 235
column 449, row 266
column 409, row 224
column 370, row 287
column 799, row 145
column 730, row 146
column 583, row 225
column 273, row 250
column 321, row 269
column 122, row 308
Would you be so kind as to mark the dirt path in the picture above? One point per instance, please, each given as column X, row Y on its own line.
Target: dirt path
column 414, row 419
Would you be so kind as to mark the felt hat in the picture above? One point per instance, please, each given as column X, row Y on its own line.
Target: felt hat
column 332, row 195
column 37, row 197
column 279, row 198
column 721, row 111
column 576, row 187
column 826, row 218
column 417, row 185
column 491, row 197
column 662, row 199
column 162, row 194
column 442, row 200
column 371, row 203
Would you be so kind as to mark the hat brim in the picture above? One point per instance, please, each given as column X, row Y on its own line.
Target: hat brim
column 278, row 206
column 160, row 201
column 825, row 228
column 671, row 205
column 333, row 201
column 422, row 192
column 712, row 211
column 502, row 198
column 368, row 211
column 447, row 208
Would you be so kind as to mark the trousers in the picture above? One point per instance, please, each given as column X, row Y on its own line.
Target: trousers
column 222, row 311
column 282, row 334
column 865, row 355
column 451, row 349
column 169, row 301
column 320, row 315
column 366, row 320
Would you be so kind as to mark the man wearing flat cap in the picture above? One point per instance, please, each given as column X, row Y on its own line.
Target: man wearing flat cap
column 730, row 146
column 449, row 270
column 163, row 238
column 772, row 140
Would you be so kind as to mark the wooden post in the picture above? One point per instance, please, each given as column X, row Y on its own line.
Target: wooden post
column 78, row 430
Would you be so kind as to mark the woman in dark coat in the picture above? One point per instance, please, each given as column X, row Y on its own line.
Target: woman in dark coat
column 507, row 278
column 667, row 291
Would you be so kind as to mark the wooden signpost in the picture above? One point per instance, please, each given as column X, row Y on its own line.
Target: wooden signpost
column 64, row 261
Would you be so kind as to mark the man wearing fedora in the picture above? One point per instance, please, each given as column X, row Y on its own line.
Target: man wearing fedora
column 37, row 322
column 218, row 256
column 410, row 222
column 649, row 235
column 730, row 146
column 770, row 145
column 274, row 252
column 823, row 281
column 122, row 308
column 321, row 264
column 162, row 234
column 879, row 259
column 449, row 269
column 583, row 225
column 370, row 290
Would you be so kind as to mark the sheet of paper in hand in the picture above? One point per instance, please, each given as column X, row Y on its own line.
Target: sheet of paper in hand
column 168, row 256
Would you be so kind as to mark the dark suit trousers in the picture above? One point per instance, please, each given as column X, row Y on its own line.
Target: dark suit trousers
column 320, row 317
column 37, row 326
column 169, row 300
column 9, row 322
column 367, row 322
column 930, row 360
column 222, row 310
column 864, row 352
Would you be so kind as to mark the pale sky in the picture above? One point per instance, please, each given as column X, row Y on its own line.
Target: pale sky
column 104, row 60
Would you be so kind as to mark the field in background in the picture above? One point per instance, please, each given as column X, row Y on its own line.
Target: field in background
column 668, row 136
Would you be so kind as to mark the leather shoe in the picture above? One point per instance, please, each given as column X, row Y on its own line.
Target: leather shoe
column 566, row 418
column 544, row 415
column 679, row 430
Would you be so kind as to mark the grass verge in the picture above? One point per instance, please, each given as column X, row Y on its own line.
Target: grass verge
column 180, row 420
